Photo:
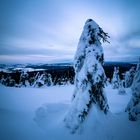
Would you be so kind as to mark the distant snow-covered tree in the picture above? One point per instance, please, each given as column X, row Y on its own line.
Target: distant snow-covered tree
column 133, row 107
column 115, row 79
column 23, row 79
column 121, row 88
column 2, row 80
column 35, row 79
column 48, row 80
column 90, row 76
column 129, row 76
column 44, row 79
column 107, row 83
column 11, row 82
column 8, row 81
column 39, row 81
column 31, row 80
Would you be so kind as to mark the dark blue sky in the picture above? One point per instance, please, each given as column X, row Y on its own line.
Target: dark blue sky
column 49, row 30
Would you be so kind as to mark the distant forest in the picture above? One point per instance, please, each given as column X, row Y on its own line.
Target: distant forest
column 61, row 74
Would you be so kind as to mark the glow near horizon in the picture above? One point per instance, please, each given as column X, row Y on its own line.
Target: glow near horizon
column 52, row 32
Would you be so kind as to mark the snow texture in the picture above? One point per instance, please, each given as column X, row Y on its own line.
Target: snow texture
column 90, row 76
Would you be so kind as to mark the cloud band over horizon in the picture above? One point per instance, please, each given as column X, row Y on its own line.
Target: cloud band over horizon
column 34, row 30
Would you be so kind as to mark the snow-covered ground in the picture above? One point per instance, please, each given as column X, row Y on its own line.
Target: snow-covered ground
column 37, row 114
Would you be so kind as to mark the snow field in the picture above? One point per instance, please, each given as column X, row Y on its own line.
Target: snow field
column 38, row 113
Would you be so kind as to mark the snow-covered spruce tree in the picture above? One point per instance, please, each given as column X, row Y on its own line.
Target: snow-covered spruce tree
column 133, row 107
column 90, row 76
column 129, row 76
column 115, row 79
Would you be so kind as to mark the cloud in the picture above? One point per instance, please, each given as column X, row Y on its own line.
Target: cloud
column 52, row 27
column 34, row 58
